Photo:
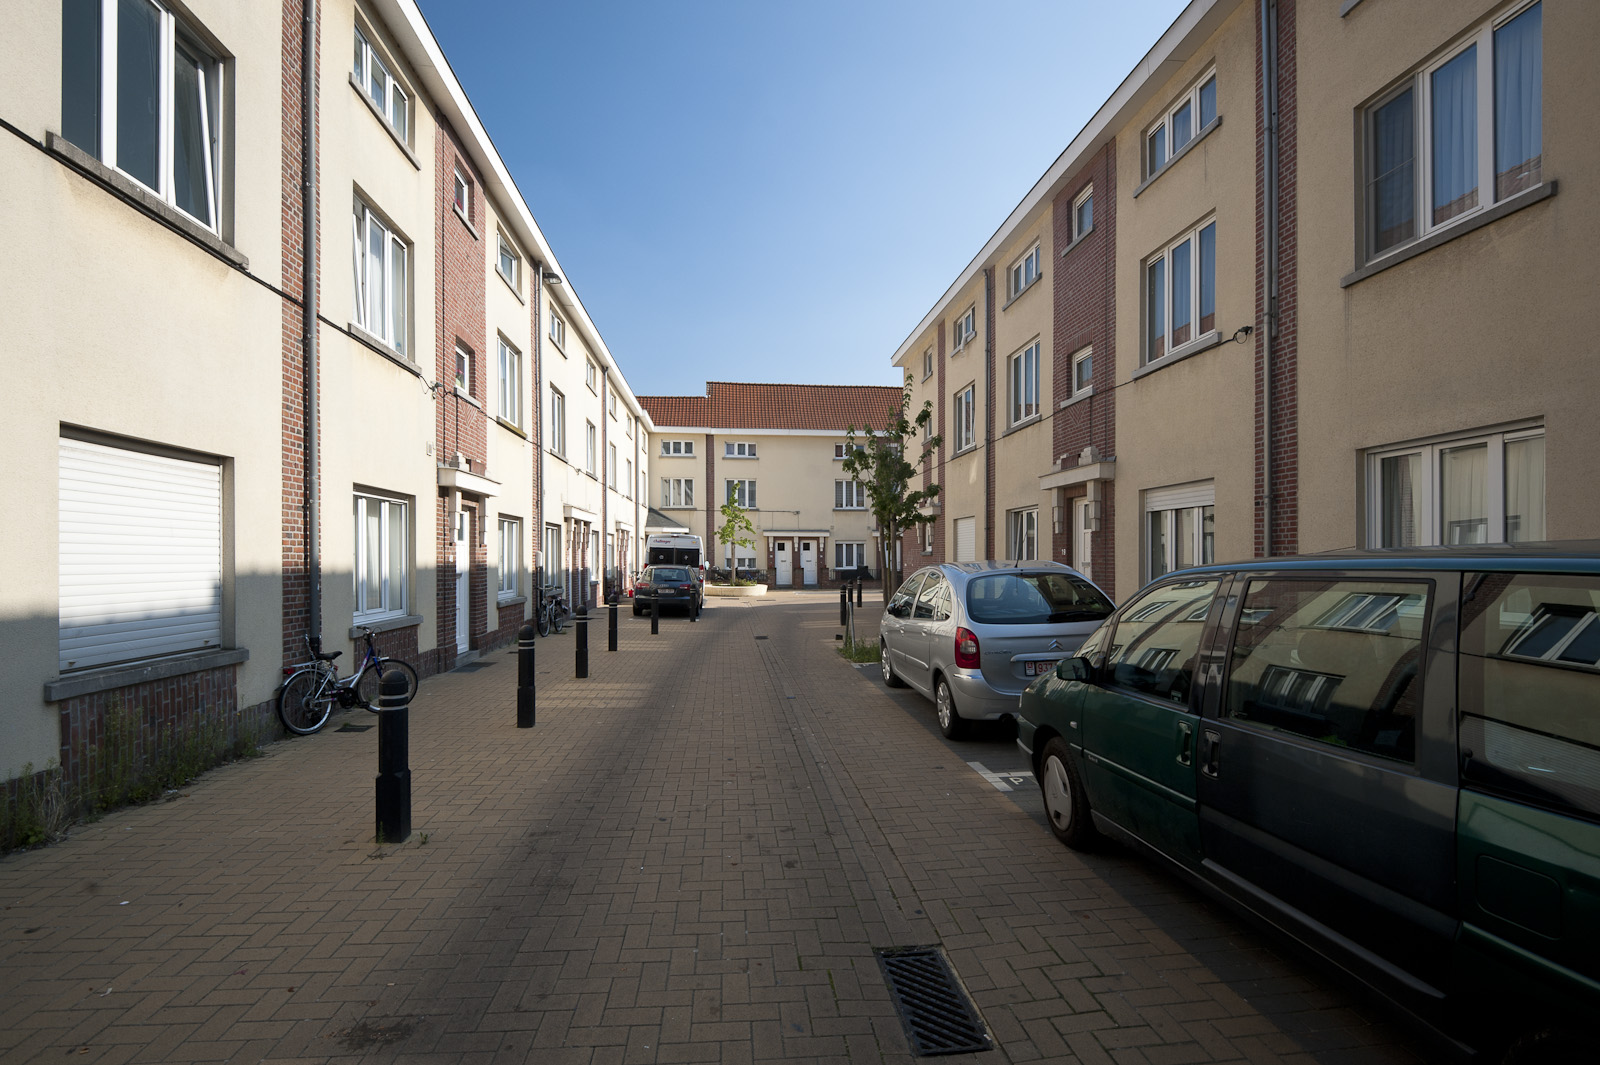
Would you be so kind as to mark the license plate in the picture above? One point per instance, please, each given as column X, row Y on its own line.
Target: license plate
column 1039, row 669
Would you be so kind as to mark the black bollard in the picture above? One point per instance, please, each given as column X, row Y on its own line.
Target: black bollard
column 611, row 630
column 655, row 616
column 844, row 604
column 859, row 582
column 582, row 642
column 394, row 756
column 525, row 676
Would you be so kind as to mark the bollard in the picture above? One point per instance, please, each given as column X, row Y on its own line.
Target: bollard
column 844, row 605
column 582, row 642
column 655, row 616
column 859, row 583
column 611, row 633
column 394, row 756
column 525, row 676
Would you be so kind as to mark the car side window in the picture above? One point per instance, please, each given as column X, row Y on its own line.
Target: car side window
column 933, row 602
column 900, row 603
column 1334, row 661
column 1530, row 687
column 1157, row 640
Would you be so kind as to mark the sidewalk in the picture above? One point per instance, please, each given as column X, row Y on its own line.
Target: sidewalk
column 689, row 859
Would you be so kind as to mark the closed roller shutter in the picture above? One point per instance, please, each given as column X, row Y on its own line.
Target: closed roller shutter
column 1194, row 494
column 141, row 555
column 966, row 540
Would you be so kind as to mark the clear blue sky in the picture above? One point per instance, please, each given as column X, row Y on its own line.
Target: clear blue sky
column 764, row 191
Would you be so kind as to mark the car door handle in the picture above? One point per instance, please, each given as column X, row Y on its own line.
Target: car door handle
column 1185, row 743
column 1210, row 752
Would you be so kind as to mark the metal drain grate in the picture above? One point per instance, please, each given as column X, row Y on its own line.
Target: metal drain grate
column 352, row 728
column 937, row 1015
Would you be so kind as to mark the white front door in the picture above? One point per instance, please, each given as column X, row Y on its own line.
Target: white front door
column 808, row 561
column 463, row 591
column 1081, row 538
column 785, row 565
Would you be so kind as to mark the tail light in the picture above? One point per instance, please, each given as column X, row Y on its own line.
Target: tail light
column 687, row 587
column 966, row 649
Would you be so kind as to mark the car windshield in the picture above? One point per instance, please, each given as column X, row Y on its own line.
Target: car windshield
column 1034, row 599
column 669, row 575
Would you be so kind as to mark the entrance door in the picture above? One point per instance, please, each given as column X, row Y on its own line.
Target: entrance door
column 808, row 562
column 785, row 565
column 1081, row 538
column 463, row 581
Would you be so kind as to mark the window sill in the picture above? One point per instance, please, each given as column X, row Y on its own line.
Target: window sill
column 94, row 681
column 1201, row 343
column 959, row 348
column 383, row 120
column 1433, row 240
column 1079, row 239
column 1026, row 423
column 961, row 451
column 142, row 199
column 1075, row 399
column 355, row 332
column 1205, row 132
column 591, row 475
column 465, row 220
column 511, row 427
column 388, row 624
column 466, row 396
column 512, row 285
column 1025, row 290
column 1348, row 6
column 510, row 600
column 557, row 455
column 689, row 507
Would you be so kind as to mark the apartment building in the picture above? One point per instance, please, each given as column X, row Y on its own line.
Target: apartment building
column 1313, row 287
column 778, row 450
column 220, row 459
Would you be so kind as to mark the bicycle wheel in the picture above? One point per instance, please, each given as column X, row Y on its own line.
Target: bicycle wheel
column 558, row 621
column 370, row 686
column 542, row 618
column 304, row 703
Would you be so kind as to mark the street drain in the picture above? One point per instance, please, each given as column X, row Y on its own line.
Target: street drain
column 937, row 1015
column 761, row 637
column 352, row 728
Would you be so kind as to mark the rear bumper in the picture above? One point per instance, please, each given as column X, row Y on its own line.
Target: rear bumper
column 976, row 700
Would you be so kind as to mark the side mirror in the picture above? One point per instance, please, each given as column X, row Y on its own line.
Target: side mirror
column 1073, row 669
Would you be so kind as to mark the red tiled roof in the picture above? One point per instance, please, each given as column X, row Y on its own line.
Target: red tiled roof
column 728, row 405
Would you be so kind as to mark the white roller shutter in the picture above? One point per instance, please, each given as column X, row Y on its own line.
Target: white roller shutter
column 966, row 540
column 1175, row 497
column 140, row 555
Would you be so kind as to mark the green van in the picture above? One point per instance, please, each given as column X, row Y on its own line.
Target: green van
column 1392, row 757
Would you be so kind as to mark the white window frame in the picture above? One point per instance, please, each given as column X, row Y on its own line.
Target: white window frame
column 1082, row 363
column 743, row 491
column 849, row 495
column 840, row 450
column 677, row 449
column 1197, row 334
column 558, row 422
column 1430, row 501
column 389, row 97
column 966, row 419
column 1022, row 385
column 611, row 466
column 509, row 367
column 1024, row 273
column 611, row 403
column 963, row 329
column 1022, row 534
column 677, row 493
column 927, row 363
column 1163, row 129
column 558, row 330
column 508, row 264
column 849, row 554
column 463, row 371
column 393, row 595
column 1082, row 200
column 591, row 447
column 1420, row 85
column 510, row 575
column 1163, row 505
column 738, row 449
column 392, row 262
column 627, row 465
column 461, row 193
column 591, row 376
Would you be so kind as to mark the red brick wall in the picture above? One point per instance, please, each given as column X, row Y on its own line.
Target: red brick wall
column 159, row 711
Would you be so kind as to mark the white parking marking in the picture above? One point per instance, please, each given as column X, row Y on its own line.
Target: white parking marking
column 1002, row 782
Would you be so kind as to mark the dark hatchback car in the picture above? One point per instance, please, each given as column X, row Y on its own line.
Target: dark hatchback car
column 676, row 587
column 1393, row 757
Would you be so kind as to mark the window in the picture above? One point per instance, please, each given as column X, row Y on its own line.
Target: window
column 510, row 558
column 509, row 263
column 964, row 329
column 591, row 375
column 841, row 450
column 1180, row 528
column 387, row 95
column 141, row 548
column 1486, row 488
column 382, row 558
column 738, row 450
column 510, row 370
column 139, row 93
column 677, row 491
column 1022, row 534
column 1034, row 599
column 927, row 538
column 591, row 447
column 966, row 537
column 550, row 557
column 611, row 404
column 742, row 492
column 965, row 415
column 629, row 424
column 558, row 328
column 558, row 422
column 463, row 375
column 611, row 466
column 849, row 556
column 1157, row 640
column 1024, row 273
column 1429, row 143
column 1022, row 373
column 1181, row 292
column 1182, row 124
column 1350, row 687
column 1083, row 213
column 677, row 447
column 461, row 194
column 927, row 364
column 627, row 480
column 1083, row 372
column 849, row 495
column 381, row 260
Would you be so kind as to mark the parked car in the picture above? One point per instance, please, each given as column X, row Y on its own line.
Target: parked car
column 673, row 586
column 971, row 635
column 1394, row 757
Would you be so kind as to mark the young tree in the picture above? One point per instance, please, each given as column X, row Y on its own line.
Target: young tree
column 735, row 531
column 877, row 459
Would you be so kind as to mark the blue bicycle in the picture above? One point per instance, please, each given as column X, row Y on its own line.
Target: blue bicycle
column 307, row 697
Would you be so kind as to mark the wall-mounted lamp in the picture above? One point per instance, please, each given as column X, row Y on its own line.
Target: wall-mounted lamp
column 1241, row 334
column 552, row 279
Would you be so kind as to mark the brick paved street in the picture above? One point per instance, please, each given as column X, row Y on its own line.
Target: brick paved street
column 689, row 859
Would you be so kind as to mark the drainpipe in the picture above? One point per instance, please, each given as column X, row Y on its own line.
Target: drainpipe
column 538, row 399
column 1268, row 19
column 308, row 282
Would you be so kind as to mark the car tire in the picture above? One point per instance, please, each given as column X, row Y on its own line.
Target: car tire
column 944, row 704
column 637, row 612
column 1066, row 807
column 890, row 677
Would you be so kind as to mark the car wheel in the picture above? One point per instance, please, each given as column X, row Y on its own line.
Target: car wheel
column 890, row 677
column 1065, row 804
column 637, row 612
column 950, row 722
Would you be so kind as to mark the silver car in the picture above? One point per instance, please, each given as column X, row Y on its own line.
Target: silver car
column 971, row 635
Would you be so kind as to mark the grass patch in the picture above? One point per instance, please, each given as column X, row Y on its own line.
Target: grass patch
column 860, row 650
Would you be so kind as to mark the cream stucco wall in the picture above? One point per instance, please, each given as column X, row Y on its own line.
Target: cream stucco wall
column 961, row 490
column 1022, row 451
column 1191, row 420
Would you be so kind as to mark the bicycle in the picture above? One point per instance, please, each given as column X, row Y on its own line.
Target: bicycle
column 552, row 613
column 306, row 699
